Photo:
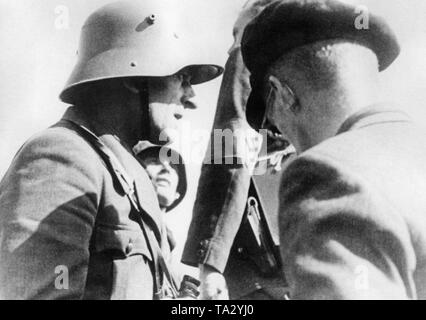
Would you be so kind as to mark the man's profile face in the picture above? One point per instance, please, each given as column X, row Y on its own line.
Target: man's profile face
column 168, row 99
column 164, row 177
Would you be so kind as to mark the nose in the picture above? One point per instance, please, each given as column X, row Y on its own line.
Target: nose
column 166, row 167
column 189, row 92
column 188, row 104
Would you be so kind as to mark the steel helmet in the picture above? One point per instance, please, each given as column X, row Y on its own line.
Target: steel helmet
column 134, row 39
column 146, row 148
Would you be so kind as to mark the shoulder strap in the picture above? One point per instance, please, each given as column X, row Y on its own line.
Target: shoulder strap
column 120, row 175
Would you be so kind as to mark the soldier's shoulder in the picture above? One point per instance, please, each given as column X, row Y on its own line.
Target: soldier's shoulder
column 326, row 161
column 58, row 143
column 352, row 155
column 343, row 147
column 56, row 137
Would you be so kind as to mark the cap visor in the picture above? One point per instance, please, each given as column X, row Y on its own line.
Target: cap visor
column 201, row 73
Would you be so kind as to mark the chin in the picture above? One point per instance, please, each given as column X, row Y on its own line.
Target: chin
column 164, row 201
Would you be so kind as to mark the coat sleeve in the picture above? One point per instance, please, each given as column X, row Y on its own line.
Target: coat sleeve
column 48, row 201
column 223, row 188
column 340, row 237
column 218, row 211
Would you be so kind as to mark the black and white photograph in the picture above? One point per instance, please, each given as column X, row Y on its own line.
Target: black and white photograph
column 230, row 150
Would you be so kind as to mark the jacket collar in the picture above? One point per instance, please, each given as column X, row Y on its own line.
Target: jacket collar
column 373, row 115
column 75, row 115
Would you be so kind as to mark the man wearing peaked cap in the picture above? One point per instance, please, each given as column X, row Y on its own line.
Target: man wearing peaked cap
column 80, row 218
column 352, row 212
column 286, row 25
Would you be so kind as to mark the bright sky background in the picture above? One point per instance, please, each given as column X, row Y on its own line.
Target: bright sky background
column 37, row 57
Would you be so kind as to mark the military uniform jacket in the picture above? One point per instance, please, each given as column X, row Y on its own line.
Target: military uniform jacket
column 67, row 231
column 353, row 212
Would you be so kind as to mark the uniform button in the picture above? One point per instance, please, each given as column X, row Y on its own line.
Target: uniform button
column 204, row 244
column 201, row 253
column 203, row 249
column 129, row 247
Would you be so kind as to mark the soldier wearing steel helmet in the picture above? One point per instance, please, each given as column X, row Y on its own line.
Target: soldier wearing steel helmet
column 166, row 169
column 80, row 218
column 157, row 159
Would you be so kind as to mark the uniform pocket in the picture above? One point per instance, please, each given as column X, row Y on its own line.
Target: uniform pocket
column 132, row 279
column 121, row 243
column 126, row 262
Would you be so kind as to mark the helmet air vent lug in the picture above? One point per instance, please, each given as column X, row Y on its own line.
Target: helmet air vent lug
column 151, row 19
